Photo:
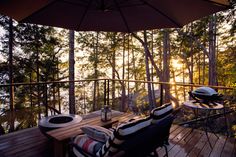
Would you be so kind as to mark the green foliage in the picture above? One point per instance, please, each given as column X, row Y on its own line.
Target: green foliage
column 20, row 119
column 36, row 57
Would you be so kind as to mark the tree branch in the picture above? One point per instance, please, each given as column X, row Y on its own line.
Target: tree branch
column 158, row 71
column 199, row 44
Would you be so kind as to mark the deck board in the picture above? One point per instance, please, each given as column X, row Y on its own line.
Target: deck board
column 175, row 137
column 188, row 145
column 28, row 143
column 216, row 152
column 228, row 147
column 180, row 141
column 183, row 142
column 198, row 147
column 206, row 151
column 234, row 151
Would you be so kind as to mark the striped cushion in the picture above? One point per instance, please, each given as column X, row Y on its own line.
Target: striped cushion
column 97, row 133
column 161, row 112
column 131, row 127
column 122, row 133
column 86, row 144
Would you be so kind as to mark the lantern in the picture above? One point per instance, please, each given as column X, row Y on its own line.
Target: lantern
column 106, row 114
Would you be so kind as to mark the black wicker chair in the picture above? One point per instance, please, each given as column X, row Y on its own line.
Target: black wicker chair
column 144, row 142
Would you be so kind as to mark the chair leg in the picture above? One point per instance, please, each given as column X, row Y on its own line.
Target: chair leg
column 155, row 153
column 166, row 151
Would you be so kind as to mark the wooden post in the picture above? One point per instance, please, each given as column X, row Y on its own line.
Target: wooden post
column 71, row 73
column 11, row 64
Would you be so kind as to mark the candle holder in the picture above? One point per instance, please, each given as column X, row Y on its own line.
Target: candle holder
column 106, row 114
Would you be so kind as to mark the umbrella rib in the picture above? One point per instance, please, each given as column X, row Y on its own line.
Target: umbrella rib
column 210, row 1
column 73, row 3
column 122, row 15
column 131, row 5
column 51, row 3
column 163, row 14
column 85, row 12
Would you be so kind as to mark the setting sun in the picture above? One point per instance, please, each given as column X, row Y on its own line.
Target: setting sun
column 176, row 63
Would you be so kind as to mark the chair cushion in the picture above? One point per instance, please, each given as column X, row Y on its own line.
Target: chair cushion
column 86, row 144
column 96, row 132
column 120, row 135
column 132, row 127
column 161, row 112
column 148, row 139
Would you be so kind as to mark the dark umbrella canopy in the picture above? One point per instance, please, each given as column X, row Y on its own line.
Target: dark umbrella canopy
column 110, row 15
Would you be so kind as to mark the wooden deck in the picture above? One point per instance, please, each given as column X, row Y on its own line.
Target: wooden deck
column 25, row 143
column 195, row 144
column 32, row 143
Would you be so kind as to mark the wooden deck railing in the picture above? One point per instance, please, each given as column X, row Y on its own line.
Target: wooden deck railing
column 107, row 87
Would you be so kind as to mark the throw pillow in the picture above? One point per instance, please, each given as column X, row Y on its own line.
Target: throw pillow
column 86, row 144
column 96, row 132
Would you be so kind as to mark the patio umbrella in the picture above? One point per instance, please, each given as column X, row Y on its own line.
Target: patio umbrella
column 110, row 15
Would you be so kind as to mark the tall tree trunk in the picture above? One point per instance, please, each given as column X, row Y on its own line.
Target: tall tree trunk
column 166, row 63
column 149, row 55
column 58, row 88
column 152, row 72
column 134, row 67
column 123, row 102
column 10, row 66
column 183, row 69
column 199, row 68
column 191, row 65
column 191, row 59
column 150, row 94
column 38, row 79
column 212, row 51
column 113, row 62
column 71, row 73
column 95, row 74
column 204, row 68
column 11, row 91
column 113, row 90
column 122, row 105
column 128, row 44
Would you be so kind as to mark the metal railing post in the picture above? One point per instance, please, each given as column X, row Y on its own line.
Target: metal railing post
column 161, row 95
column 108, row 92
column 46, row 99
column 105, row 92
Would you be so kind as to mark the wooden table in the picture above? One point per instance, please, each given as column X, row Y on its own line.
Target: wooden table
column 207, row 108
column 201, row 106
column 62, row 136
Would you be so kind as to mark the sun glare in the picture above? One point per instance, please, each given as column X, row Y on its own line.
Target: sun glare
column 176, row 63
